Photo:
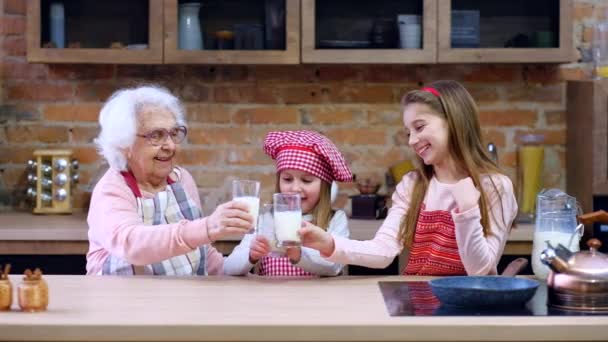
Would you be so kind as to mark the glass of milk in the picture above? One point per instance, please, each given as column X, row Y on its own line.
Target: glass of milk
column 248, row 192
column 287, row 218
column 265, row 225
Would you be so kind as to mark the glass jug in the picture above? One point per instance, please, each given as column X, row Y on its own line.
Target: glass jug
column 556, row 221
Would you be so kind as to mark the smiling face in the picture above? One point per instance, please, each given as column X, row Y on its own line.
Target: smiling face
column 152, row 164
column 304, row 183
column 428, row 133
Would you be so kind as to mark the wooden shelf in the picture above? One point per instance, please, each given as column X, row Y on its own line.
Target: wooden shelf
column 446, row 54
column 291, row 55
column 37, row 54
column 312, row 54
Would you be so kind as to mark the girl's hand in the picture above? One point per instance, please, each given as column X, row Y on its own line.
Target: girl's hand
column 294, row 254
column 231, row 218
column 259, row 248
column 316, row 238
column 465, row 194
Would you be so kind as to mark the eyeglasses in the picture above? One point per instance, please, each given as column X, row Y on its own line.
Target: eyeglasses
column 158, row 137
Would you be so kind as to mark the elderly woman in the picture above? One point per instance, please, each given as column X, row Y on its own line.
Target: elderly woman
column 145, row 214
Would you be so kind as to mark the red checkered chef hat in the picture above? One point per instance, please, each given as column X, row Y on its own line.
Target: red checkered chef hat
column 307, row 151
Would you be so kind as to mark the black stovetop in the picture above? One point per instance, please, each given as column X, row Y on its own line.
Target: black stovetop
column 415, row 298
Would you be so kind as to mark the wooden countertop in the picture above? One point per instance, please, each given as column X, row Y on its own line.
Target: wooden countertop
column 260, row 309
column 26, row 226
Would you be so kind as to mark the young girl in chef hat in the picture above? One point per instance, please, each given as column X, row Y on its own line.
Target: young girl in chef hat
column 306, row 163
column 452, row 215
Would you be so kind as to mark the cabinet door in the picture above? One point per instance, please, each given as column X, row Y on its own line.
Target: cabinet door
column 517, row 31
column 109, row 31
column 378, row 32
column 234, row 32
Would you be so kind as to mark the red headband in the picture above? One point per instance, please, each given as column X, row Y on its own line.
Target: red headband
column 432, row 91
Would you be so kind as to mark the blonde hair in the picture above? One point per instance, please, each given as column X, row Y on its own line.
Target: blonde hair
column 322, row 212
column 455, row 105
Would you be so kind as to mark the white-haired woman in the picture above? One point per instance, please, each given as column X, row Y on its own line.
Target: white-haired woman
column 145, row 214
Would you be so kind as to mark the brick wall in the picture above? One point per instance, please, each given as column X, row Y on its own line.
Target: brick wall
column 230, row 108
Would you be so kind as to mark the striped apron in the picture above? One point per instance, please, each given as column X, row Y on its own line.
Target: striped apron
column 169, row 206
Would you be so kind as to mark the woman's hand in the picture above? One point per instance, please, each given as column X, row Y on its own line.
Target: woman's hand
column 316, row 238
column 231, row 218
column 259, row 248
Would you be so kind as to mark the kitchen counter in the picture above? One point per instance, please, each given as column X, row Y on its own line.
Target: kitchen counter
column 25, row 233
column 260, row 309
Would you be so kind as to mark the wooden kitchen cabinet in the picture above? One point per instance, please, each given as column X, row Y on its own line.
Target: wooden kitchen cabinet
column 342, row 31
column 498, row 31
column 587, row 141
column 92, row 26
column 228, row 15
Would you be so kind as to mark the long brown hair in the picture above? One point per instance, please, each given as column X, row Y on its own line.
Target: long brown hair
column 455, row 105
column 322, row 212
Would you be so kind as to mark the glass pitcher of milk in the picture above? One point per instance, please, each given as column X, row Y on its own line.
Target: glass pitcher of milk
column 556, row 221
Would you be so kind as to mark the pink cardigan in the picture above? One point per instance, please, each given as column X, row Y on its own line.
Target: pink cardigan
column 116, row 228
column 479, row 254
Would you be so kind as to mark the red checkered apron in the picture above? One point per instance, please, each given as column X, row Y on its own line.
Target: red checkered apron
column 280, row 266
column 434, row 251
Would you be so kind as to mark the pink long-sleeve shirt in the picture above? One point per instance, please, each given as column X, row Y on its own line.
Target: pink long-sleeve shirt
column 479, row 254
column 116, row 228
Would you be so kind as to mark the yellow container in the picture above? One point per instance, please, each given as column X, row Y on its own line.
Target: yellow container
column 530, row 170
column 400, row 169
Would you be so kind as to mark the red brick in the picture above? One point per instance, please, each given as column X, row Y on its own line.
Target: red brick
column 234, row 73
column 84, row 134
column 302, row 94
column 582, row 11
column 542, row 74
column 39, row 91
column 15, row 6
column 400, row 138
column 245, row 94
column 379, row 158
column 200, row 73
column 385, row 115
column 72, row 112
column 551, row 137
column 362, row 94
column 267, row 115
column 284, row 73
column 81, row 71
column 494, row 136
column 556, row 117
column 190, row 92
column 150, row 72
column 198, row 156
column 338, row 73
column 483, row 94
column 37, row 133
column 334, row 116
column 14, row 46
column 23, row 71
column 15, row 154
column 494, row 73
column 508, row 118
column 12, row 25
column 246, row 156
column 92, row 91
column 209, row 179
column 356, row 136
column 601, row 11
column 390, row 73
column 535, row 93
column 208, row 113
column 85, row 155
column 219, row 135
column 507, row 159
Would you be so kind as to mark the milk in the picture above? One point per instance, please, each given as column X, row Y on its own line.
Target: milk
column 541, row 271
column 254, row 207
column 286, row 225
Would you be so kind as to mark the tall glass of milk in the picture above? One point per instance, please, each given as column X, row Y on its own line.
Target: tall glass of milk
column 248, row 192
column 556, row 218
column 287, row 218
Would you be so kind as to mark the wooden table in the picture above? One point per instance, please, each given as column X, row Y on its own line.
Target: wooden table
column 24, row 233
column 89, row 308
